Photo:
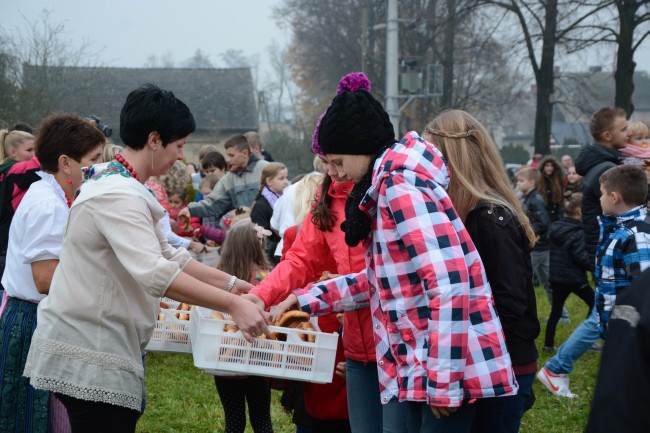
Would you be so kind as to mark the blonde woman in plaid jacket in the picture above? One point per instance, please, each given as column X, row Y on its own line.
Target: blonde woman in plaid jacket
column 440, row 345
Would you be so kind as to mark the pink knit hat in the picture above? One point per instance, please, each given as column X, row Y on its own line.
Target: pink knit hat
column 350, row 82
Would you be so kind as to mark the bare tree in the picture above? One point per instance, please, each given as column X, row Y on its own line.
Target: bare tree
column 42, row 44
column 199, row 60
column 331, row 39
column 544, row 25
column 628, row 35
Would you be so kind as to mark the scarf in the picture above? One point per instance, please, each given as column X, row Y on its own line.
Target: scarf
column 113, row 178
column 635, row 151
column 358, row 224
column 270, row 196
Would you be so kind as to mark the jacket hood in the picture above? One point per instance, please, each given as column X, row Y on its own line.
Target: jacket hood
column 561, row 229
column 593, row 155
column 412, row 153
column 7, row 164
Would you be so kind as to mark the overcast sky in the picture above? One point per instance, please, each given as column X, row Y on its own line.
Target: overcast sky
column 127, row 32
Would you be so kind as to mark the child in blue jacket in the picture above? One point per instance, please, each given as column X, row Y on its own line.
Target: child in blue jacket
column 623, row 251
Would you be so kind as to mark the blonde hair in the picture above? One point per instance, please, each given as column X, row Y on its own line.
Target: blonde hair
column 477, row 171
column 638, row 128
column 530, row 173
column 176, row 179
column 12, row 140
column 319, row 165
column 205, row 149
column 110, row 150
column 304, row 196
column 242, row 249
column 270, row 171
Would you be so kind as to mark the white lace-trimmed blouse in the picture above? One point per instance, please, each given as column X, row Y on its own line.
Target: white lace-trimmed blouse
column 100, row 314
column 36, row 234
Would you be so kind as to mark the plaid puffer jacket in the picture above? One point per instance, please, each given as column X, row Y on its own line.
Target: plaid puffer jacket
column 437, row 334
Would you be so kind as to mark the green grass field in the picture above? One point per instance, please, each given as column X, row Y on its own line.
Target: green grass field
column 181, row 398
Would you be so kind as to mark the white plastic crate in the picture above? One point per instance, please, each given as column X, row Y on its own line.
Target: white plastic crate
column 215, row 349
column 171, row 334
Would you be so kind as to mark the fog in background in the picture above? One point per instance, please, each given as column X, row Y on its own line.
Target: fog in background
column 126, row 33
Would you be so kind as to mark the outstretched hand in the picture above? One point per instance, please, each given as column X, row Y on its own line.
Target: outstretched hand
column 185, row 211
column 251, row 320
column 255, row 300
column 291, row 303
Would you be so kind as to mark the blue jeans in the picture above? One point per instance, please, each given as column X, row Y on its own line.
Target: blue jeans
column 420, row 419
column 580, row 340
column 515, row 406
column 394, row 415
column 364, row 407
column 503, row 414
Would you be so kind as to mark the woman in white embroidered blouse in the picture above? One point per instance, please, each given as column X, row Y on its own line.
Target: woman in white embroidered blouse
column 114, row 264
column 35, row 239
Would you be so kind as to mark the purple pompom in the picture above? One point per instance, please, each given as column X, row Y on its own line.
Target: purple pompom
column 354, row 81
column 350, row 82
column 315, row 147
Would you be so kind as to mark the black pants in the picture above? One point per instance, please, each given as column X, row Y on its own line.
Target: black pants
column 330, row 426
column 560, row 293
column 235, row 393
column 93, row 417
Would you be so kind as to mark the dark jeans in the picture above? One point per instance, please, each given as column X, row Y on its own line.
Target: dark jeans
column 420, row 418
column 364, row 407
column 93, row 417
column 560, row 293
column 509, row 409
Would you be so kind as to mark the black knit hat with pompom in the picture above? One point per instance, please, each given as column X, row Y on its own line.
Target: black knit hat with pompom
column 355, row 124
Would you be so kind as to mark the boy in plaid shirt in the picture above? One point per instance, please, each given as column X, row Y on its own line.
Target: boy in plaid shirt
column 624, row 248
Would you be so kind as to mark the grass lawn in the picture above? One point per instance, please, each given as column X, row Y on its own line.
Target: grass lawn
column 182, row 398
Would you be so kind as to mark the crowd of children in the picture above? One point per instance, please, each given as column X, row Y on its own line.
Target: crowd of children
column 445, row 221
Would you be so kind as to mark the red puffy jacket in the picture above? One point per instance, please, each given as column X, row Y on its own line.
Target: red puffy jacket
column 309, row 256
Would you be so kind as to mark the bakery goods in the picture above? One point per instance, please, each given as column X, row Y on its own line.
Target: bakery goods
column 292, row 318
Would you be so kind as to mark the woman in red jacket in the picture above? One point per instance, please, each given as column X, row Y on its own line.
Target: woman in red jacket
column 320, row 240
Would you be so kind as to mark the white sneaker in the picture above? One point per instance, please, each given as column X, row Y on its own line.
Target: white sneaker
column 558, row 384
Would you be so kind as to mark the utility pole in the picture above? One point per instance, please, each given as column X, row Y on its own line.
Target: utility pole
column 392, row 43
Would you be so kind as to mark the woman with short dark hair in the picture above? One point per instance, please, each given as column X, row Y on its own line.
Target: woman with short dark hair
column 66, row 143
column 115, row 264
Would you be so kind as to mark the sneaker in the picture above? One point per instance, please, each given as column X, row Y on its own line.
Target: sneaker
column 564, row 320
column 549, row 349
column 595, row 348
column 558, row 384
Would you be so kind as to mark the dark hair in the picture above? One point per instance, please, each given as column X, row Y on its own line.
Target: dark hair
column 556, row 179
column 629, row 181
column 321, row 215
column 214, row 159
column 150, row 109
column 239, row 141
column 22, row 126
column 603, row 120
column 65, row 134
column 572, row 202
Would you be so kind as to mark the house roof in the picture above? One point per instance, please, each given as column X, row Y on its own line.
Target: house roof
column 219, row 99
column 590, row 91
column 578, row 132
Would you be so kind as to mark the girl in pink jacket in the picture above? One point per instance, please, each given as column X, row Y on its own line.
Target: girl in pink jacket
column 439, row 343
